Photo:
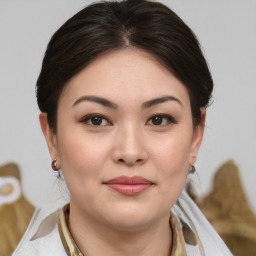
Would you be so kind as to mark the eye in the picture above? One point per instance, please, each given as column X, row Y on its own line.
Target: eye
column 95, row 120
column 161, row 120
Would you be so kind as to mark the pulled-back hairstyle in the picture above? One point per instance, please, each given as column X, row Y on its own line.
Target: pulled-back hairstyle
column 104, row 26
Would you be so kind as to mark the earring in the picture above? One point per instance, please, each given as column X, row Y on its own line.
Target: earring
column 54, row 165
column 192, row 169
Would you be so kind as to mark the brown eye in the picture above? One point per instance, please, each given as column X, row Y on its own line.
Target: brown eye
column 161, row 120
column 157, row 120
column 96, row 120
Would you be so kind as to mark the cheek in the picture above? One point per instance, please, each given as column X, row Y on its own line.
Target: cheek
column 173, row 150
column 171, row 158
column 82, row 157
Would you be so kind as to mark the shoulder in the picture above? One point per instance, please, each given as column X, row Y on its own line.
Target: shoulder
column 209, row 242
column 44, row 246
column 42, row 236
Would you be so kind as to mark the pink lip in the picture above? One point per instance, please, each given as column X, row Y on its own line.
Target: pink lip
column 129, row 185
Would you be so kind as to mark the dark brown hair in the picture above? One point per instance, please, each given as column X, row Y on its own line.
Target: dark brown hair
column 105, row 26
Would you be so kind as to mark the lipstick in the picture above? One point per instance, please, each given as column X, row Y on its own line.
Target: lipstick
column 129, row 186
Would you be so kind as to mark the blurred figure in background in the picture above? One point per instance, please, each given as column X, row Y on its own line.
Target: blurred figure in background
column 15, row 210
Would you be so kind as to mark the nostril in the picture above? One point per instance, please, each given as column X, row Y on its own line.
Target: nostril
column 130, row 162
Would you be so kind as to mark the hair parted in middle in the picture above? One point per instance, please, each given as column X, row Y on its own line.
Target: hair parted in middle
column 104, row 26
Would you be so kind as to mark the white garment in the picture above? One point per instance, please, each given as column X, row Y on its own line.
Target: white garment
column 187, row 211
column 42, row 236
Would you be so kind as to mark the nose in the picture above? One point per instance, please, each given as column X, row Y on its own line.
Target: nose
column 129, row 147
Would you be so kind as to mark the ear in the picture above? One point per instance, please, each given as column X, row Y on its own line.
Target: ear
column 197, row 137
column 50, row 137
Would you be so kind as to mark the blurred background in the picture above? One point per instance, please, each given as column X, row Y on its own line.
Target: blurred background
column 227, row 32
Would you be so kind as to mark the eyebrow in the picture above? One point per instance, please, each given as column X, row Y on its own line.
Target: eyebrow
column 107, row 103
column 96, row 99
column 160, row 100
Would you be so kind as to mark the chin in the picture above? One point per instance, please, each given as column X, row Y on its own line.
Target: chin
column 129, row 218
column 128, row 223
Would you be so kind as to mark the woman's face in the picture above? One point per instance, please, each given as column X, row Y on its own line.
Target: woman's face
column 125, row 139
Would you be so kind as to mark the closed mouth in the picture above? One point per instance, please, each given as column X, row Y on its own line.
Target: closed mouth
column 129, row 185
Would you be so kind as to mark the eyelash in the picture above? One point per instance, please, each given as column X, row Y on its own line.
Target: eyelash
column 88, row 120
column 170, row 119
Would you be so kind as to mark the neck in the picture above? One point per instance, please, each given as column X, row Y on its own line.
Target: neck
column 95, row 238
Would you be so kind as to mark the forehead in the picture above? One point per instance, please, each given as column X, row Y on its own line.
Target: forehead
column 125, row 74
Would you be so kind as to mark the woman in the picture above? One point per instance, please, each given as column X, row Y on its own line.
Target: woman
column 123, row 93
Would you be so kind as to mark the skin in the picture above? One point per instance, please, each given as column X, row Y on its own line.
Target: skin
column 127, row 141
